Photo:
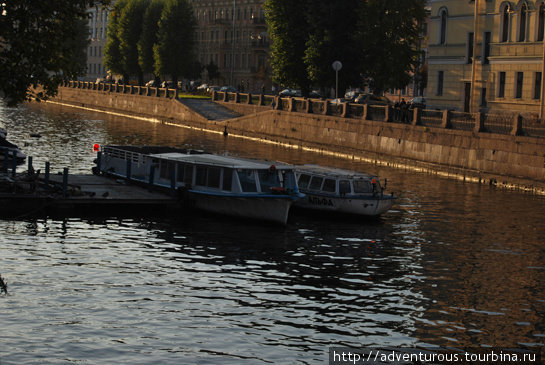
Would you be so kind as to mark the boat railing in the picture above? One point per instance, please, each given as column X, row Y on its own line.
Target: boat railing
column 123, row 154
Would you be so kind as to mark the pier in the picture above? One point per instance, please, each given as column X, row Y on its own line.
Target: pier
column 32, row 193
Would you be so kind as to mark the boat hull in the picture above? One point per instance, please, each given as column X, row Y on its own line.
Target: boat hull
column 366, row 206
column 267, row 208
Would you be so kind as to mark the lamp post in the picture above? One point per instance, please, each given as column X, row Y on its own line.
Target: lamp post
column 337, row 65
column 233, row 44
column 474, row 61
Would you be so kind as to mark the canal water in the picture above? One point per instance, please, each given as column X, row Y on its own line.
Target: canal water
column 455, row 265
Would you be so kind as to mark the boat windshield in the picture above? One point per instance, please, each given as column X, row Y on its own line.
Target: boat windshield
column 247, row 181
column 362, row 186
column 268, row 179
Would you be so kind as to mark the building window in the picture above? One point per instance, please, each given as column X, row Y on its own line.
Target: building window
column 440, row 80
column 540, row 22
column 523, row 17
column 501, row 85
column 505, row 20
column 486, row 48
column 518, row 86
column 469, row 51
column 483, row 96
column 443, row 26
column 537, row 85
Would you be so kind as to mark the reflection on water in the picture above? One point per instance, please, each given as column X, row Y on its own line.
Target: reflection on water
column 455, row 265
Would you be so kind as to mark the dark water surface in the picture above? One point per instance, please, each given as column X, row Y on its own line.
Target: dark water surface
column 453, row 264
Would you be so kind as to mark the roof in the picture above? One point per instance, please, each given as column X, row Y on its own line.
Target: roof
column 221, row 161
column 332, row 172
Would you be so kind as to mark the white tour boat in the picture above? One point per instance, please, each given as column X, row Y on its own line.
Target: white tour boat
column 341, row 191
column 216, row 183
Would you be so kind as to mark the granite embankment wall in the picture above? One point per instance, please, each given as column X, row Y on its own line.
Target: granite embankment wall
column 509, row 160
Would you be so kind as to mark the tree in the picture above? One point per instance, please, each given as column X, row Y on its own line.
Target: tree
column 129, row 32
column 175, row 49
column 112, row 54
column 41, row 43
column 148, row 37
column 213, row 71
column 387, row 35
column 331, row 40
column 289, row 32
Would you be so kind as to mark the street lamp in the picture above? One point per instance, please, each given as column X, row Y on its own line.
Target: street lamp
column 337, row 66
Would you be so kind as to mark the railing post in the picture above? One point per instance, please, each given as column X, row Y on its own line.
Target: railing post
column 151, row 177
column 290, row 105
column 250, row 99
column 261, row 100
column 445, row 123
column 326, row 107
column 517, row 125
column 237, row 98
column 128, row 170
column 30, row 168
column 13, row 163
column 479, row 122
column 46, row 175
column 365, row 112
column 225, row 96
column 388, row 113
column 309, row 106
column 417, row 113
column 65, row 181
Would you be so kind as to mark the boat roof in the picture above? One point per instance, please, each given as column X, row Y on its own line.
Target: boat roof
column 221, row 161
column 332, row 172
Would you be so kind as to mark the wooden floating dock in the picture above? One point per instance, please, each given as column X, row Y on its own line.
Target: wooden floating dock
column 79, row 195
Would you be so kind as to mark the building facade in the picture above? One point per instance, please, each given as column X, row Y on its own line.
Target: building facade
column 98, row 24
column 232, row 35
column 486, row 55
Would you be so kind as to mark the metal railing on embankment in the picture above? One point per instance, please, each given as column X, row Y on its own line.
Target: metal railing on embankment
column 505, row 123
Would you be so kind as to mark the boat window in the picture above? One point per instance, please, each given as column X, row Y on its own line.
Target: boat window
column 268, row 179
column 362, row 186
column 247, row 181
column 344, row 187
column 315, row 183
column 180, row 173
column 329, row 186
column 201, row 176
column 227, row 179
column 167, row 167
column 188, row 175
column 303, row 181
column 288, row 177
column 213, row 177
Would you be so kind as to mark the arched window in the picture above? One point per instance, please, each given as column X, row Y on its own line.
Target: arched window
column 523, row 17
column 443, row 16
column 540, row 22
column 505, row 22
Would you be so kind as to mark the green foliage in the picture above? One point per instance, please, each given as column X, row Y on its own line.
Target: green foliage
column 289, row 30
column 150, row 27
column 373, row 39
column 213, row 71
column 41, row 43
column 175, row 49
column 112, row 53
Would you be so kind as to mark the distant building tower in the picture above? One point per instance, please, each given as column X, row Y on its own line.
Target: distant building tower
column 232, row 35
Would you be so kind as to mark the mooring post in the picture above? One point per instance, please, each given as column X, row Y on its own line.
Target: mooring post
column 30, row 169
column 65, row 181
column 13, row 163
column 173, row 183
column 6, row 158
column 99, row 160
column 46, row 177
column 151, row 177
column 128, row 170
